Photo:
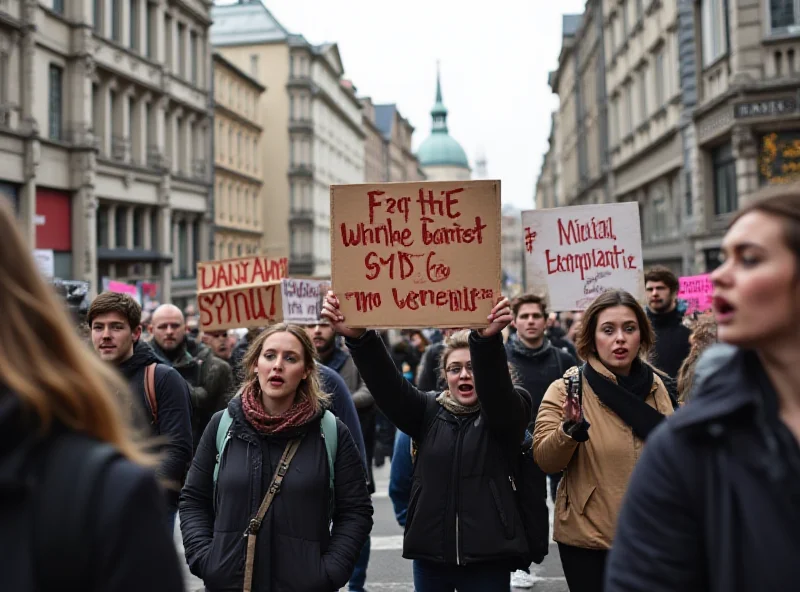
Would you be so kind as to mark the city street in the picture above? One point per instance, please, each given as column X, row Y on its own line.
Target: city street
column 388, row 571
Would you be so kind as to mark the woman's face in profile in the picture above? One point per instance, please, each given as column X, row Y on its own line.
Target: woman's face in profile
column 756, row 289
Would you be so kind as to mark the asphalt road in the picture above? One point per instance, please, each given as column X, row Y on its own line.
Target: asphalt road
column 388, row 571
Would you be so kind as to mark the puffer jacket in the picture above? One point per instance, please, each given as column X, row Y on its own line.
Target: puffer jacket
column 462, row 508
column 596, row 472
column 295, row 551
column 714, row 504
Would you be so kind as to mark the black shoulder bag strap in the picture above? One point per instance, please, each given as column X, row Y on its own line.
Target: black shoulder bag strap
column 66, row 506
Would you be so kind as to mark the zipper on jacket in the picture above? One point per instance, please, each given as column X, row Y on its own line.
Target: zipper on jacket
column 458, row 557
column 457, row 496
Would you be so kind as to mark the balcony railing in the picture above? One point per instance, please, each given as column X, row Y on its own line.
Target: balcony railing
column 155, row 159
column 782, row 60
column 199, row 168
column 301, row 124
column 301, row 170
column 120, row 147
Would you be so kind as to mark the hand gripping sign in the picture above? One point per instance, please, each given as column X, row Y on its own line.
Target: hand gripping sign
column 424, row 254
column 574, row 254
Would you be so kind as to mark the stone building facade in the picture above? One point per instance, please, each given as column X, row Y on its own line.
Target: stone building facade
column 105, row 134
column 387, row 150
column 703, row 111
column 747, row 118
column 238, row 196
column 313, row 125
column 645, row 103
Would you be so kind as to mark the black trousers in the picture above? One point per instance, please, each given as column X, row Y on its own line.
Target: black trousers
column 583, row 568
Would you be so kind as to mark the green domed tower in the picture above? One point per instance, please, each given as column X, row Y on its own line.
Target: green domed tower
column 440, row 157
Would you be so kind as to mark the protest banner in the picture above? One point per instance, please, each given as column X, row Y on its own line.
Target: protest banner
column 573, row 254
column 696, row 290
column 424, row 254
column 286, row 300
column 131, row 290
column 240, row 272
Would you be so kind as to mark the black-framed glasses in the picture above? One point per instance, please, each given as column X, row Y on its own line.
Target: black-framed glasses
column 455, row 369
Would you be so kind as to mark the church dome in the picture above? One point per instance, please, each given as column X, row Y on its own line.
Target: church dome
column 440, row 148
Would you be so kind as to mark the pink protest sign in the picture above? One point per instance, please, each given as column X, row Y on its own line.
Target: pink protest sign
column 696, row 290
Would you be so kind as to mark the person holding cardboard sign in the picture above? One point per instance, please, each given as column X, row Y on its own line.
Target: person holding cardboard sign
column 463, row 526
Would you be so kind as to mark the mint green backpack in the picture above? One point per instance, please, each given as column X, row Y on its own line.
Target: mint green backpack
column 329, row 433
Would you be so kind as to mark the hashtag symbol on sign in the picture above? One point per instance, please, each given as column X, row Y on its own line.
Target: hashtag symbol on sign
column 529, row 238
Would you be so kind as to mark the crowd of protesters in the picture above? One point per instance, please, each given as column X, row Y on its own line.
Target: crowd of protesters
column 671, row 439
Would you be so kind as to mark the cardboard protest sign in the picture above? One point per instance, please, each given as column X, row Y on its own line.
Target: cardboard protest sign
column 696, row 290
column 286, row 300
column 240, row 272
column 419, row 254
column 574, row 254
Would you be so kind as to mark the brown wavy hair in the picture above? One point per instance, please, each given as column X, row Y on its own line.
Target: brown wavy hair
column 782, row 201
column 584, row 341
column 43, row 361
column 704, row 335
column 309, row 388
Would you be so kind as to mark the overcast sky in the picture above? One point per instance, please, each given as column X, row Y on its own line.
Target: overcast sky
column 494, row 57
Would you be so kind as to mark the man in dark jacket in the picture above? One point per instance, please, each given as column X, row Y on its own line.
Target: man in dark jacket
column 672, row 337
column 210, row 379
column 324, row 338
column 712, row 504
column 115, row 321
column 538, row 364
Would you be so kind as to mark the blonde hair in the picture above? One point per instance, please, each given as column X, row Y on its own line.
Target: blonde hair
column 309, row 388
column 460, row 340
column 44, row 362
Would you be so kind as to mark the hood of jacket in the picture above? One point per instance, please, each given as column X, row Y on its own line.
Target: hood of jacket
column 143, row 355
column 724, row 384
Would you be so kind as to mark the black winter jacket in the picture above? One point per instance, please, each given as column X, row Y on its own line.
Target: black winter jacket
column 714, row 502
column 462, row 508
column 672, row 341
column 129, row 547
column 295, row 551
column 174, row 415
column 210, row 381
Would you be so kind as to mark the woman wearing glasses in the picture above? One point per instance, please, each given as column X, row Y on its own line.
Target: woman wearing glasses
column 463, row 530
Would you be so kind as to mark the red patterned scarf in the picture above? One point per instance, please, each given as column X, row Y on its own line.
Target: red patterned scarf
column 299, row 413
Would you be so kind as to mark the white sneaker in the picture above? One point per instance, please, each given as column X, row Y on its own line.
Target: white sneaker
column 520, row 579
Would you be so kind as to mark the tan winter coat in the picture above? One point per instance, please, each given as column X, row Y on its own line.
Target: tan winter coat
column 596, row 472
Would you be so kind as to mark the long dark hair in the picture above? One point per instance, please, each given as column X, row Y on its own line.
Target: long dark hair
column 584, row 341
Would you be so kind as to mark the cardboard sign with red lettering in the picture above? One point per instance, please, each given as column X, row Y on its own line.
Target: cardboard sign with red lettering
column 287, row 300
column 574, row 254
column 243, row 271
column 424, row 254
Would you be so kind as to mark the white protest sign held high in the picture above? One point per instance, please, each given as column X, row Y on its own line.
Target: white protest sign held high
column 302, row 300
column 574, row 254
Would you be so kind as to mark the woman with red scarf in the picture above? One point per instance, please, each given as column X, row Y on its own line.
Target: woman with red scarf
column 258, row 511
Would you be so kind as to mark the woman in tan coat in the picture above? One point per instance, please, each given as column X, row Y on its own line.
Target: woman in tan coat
column 592, row 425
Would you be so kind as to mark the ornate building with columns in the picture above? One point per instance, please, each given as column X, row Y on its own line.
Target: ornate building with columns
column 105, row 127
column 238, row 182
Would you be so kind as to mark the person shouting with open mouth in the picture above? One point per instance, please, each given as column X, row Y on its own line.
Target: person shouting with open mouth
column 463, row 528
